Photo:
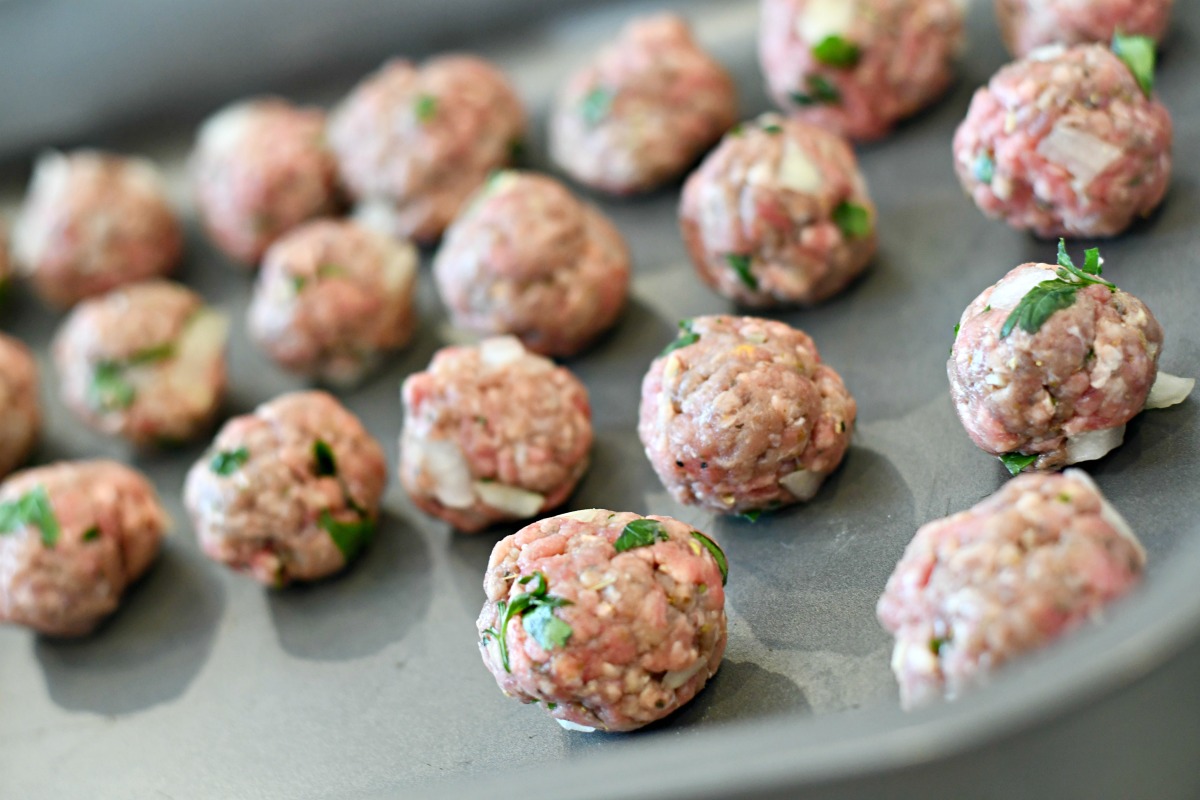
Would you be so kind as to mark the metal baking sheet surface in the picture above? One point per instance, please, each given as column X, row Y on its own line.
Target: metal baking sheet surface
column 206, row 686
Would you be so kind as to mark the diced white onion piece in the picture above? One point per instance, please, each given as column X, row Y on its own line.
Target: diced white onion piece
column 802, row 484
column 446, row 463
column 797, row 171
column 1169, row 390
column 1080, row 153
column 399, row 266
column 1091, row 445
column 200, row 345
column 520, row 503
column 676, row 678
column 1047, row 52
column 500, row 351
column 574, row 726
column 49, row 183
column 1009, row 292
column 377, row 215
column 223, row 131
column 587, row 514
column 822, row 18
column 1107, row 511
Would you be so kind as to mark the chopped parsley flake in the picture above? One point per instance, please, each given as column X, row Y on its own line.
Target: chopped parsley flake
column 227, row 462
column 741, row 265
column 984, row 168
column 836, row 51
column 685, row 338
column 1056, row 294
column 32, row 508
column 596, row 106
column 641, row 533
column 819, row 92
column 547, row 630
column 752, row 515
column 1016, row 463
column 350, row 537
column 853, row 219
column 772, row 129
column 326, row 463
column 716, row 552
column 110, row 389
column 1138, row 54
column 426, row 108
column 91, row 534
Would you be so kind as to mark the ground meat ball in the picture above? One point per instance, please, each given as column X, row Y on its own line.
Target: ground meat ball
column 5, row 262
column 493, row 433
column 1065, row 143
column 261, row 167
column 75, row 535
column 1037, row 559
column 778, row 214
column 1029, row 24
column 91, row 222
column 526, row 258
column 21, row 418
column 290, row 492
column 144, row 362
column 639, row 626
column 1064, row 391
column 858, row 67
column 741, row 415
column 649, row 105
column 413, row 143
column 332, row 298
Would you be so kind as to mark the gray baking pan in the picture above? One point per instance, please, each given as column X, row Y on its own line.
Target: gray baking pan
column 370, row 685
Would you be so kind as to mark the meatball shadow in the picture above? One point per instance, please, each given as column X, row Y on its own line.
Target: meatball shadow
column 149, row 651
column 470, row 552
column 357, row 613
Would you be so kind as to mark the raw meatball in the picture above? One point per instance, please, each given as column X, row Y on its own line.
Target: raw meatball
column 5, row 262
column 73, row 537
column 739, row 415
column 1063, row 394
column 94, row 221
column 332, row 298
column 1065, row 143
column 857, row 67
column 528, row 259
column 1037, row 559
column 1029, row 24
column 290, row 492
column 413, row 143
column 611, row 619
column 144, row 362
column 493, row 433
column 649, row 105
column 261, row 167
column 21, row 419
column 778, row 214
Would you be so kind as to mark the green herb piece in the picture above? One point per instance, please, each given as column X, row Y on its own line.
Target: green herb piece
column 984, row 168
column 31, row 508
column 298, row 283
column 109, row 390
column 426, row 108
column 350, row 537
column 596, row 105
column 717, row 553
column 772, row 129
column 1064, row 497
column 1138, row 54
column 751, row 516
column 640, row 533
column 957, row 328
column 325, row 461
column 737, row 130
column 152, row 355
column 227, row 462
column 91, row 534
column 987, row 308
column 741, row 265
column 853, row 219
column 330, row 271
column 1016, row 463
column 684, row 338
column 1056, row 294
column 820, row 92
column 547, row 630
column 936, row 644
column 551, row 706
column 836, row 51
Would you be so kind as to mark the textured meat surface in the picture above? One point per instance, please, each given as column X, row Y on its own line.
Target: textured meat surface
column 527, row 258
column 1037, row 559
column 20, row 411
column 413, row 143
column 1065, row 143
column 906, row 50
column 332, row 298
column 93, row 221
column 110, row 527
column 644, row 110
column 759, row 217
column 6, row 266
column 484, row 421
column 746, row 418
column 1029, row 24
column 647, row 625
column 260, row 168
column 1088, row 368
column 262, row 503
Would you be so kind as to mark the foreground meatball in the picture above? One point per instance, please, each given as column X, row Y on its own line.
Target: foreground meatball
column 288, row 493
column 1065, row 143
column 1059, row 394
column 1039, row 558
column 144, row 362
column 611, row 619
column 413, row 143
column 739, row 415
column 94, row 221
column 73, row 537
column 332, row 298
column 21, row 417
column 261, row 167
column 649, row 105
column 778, row 215
column 527, row 258
column 1027, row 25
column 857, row 67
column 493, row 433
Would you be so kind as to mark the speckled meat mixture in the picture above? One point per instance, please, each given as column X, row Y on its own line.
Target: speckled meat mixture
column 1029, row 24
column 21, row 416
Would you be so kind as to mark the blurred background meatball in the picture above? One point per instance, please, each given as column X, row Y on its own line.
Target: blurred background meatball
column 20, row 409
column 1029, row 24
